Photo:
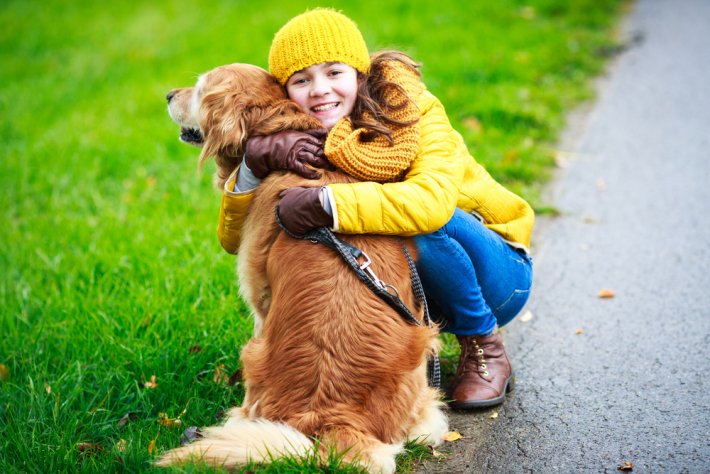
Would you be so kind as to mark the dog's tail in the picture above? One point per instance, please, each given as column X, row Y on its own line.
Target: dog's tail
column 239, row 442
column 243, row 440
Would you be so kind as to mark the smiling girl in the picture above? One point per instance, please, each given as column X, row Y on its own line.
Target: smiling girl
column 326, row 91
column 418, row 179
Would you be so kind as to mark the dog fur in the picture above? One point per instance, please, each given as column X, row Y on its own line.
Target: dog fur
column 329, row 360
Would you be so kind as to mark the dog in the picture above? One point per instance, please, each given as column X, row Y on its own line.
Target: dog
column 331, row 367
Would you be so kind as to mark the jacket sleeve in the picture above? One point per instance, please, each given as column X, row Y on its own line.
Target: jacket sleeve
column 426, row 198
column 232, row 213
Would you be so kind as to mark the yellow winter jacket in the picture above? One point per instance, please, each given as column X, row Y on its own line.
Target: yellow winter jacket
column 442, row 177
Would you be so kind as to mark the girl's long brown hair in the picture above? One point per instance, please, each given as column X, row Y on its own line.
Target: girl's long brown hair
column 373, row 106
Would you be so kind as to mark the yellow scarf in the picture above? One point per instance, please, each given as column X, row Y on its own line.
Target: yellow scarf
column 377, row 160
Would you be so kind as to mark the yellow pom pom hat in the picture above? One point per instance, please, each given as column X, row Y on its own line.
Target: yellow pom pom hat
column 317, row 36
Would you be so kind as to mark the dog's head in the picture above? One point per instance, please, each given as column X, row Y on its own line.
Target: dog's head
column 226, row 106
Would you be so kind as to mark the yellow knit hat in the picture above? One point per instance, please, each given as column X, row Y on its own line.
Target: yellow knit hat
column 314, row 37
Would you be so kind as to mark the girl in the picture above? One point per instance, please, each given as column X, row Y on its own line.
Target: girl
column 386, row 128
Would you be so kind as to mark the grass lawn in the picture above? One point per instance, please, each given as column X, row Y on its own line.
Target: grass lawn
column 110, row 270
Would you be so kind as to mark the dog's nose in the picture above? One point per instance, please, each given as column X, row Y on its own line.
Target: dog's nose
column 170, row 95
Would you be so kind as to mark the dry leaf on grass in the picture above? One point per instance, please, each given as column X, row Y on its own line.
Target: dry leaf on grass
column 452, row 436
column 220, row 376
column 89, row 449
column 121, row 446
column 165, row 420
column 151, row 383
column 606, row 293
column 4, row 372
column 151, row 447
column 434, row 452
column 127, row 418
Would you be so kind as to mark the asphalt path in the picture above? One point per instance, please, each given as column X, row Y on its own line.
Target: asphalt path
column 602, row 381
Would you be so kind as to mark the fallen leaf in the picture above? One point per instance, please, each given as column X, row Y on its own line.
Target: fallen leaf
column 579, row 331
column 89, row 449
column 194, row 349
column 48, row 389
column 165, row 420
column 606, row 293
column 434, row 452
column 189, row 435
column 527, row 316
column 220, row 376
column 151, row 447
column 625, row 466
column 4, row 372
column 151, row 383
column 452, row 436
column 127, row 418
column 121, row 446
column 494, row 415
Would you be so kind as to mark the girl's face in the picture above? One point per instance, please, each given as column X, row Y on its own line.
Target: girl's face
column 327, row 91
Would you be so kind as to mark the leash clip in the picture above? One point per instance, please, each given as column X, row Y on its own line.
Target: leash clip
column 365, row 267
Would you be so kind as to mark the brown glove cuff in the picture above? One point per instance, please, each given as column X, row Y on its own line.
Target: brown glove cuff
column 300, row 210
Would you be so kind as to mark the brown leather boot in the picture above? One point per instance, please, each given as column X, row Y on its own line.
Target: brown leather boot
column 484, row 375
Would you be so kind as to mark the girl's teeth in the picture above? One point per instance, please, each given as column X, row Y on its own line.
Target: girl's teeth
column 323, row 108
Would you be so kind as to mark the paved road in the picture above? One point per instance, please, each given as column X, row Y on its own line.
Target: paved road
column 634, row 385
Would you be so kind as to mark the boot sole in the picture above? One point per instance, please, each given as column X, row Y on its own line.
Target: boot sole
column 509, row 386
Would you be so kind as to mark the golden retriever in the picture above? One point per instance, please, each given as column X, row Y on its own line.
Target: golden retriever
column 334, row 368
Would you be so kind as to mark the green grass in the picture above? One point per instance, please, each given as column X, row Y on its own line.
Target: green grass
column 110, row 271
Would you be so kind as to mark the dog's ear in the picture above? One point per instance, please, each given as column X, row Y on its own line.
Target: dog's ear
column 224, row 130
column 221, row 120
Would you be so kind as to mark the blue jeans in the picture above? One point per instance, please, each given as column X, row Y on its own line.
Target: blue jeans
column 472, row 278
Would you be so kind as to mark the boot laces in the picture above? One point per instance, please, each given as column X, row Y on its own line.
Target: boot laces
column 475, row 362
column 480, row 356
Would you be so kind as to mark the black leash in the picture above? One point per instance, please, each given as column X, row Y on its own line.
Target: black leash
column 388, row 293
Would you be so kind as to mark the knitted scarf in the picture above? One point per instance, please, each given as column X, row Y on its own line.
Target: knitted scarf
column 377, row 160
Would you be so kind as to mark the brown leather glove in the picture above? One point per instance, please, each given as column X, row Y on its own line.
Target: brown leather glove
column 289, row 151
column 300, row 210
